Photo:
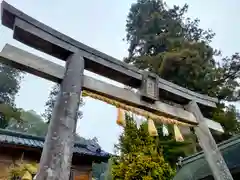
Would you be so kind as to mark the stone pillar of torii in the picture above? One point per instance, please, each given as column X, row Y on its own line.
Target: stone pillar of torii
column 189, row 107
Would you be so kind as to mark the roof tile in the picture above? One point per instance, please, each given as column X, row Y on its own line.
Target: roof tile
column 196, row 167
column 80, row 147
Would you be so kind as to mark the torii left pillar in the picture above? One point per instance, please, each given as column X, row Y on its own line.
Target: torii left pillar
column 57, row 153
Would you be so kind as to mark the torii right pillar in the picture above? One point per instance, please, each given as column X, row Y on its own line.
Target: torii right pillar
column 212, row 154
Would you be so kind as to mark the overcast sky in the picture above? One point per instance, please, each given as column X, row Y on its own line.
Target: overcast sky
column 101, row 24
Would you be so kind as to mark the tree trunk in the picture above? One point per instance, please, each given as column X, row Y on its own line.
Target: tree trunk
column 57, row 153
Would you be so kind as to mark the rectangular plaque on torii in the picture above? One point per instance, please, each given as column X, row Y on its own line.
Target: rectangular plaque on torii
column 149, row 88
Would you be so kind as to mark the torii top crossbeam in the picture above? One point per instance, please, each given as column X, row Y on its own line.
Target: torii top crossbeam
column 42, row 37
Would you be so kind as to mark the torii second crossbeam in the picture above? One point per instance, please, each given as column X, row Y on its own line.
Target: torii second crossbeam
column 46, row 69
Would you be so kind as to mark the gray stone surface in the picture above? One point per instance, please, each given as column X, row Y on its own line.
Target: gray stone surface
column 211, row 151
column 57, row 152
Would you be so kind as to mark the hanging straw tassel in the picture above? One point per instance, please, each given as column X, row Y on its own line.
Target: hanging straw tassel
column 139, row 120
column 151, row 128
column 178, row 135
column 165, row 130
column 121, row 118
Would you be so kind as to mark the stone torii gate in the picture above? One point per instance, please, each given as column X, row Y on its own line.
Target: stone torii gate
column 156, row 96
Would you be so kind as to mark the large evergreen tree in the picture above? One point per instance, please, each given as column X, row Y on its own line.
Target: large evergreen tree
column 138, row 155
column 162, row 40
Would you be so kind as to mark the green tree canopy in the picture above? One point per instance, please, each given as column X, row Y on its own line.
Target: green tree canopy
column 9, row 86
column 172, row 149
column 229, row 119
column 164, row 41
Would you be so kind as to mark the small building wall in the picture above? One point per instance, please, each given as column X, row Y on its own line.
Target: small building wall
column 81, row 172
column 9, row 155
column 5, row 162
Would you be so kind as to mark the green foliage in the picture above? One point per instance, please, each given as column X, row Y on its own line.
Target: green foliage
column 108, row 172
column 9, row 86
column 172, row 149
column 8, row 112
column 98, row 169
column 49, row 105
column 229, row 119
column 22, row 170
column 164, row 41
column 31, row 123
column 102, row 171
column 138, row 155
